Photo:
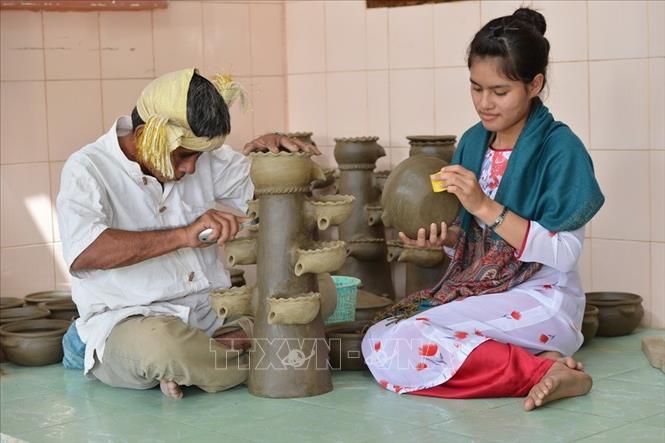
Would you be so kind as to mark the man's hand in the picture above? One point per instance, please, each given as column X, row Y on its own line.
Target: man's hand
column 272, row 143
column 448, row 237
column 224, row 227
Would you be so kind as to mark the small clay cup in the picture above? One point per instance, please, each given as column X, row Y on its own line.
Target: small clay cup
column 589, row 323
column 619, row 313
column 33, row 342
column 47, row 296
column 345, row 341
column 25, row 313
column 10, row 302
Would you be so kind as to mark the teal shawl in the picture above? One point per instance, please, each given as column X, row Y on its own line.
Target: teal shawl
column 549, row 178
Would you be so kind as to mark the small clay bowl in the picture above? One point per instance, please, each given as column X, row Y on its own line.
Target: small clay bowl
column 24, row 313
column 33, row 342
column 60, row 309
column 619, row 313
column 368, row 305
column 10, row 302
column 589, row 323
column 47, row 296
column 345, row 341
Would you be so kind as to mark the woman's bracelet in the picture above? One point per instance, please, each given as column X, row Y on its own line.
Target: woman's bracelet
column 499, row 219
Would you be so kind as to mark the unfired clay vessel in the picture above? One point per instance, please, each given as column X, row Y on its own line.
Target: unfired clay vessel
column 232, row 302
column 619, row 313
column 442, row 146
column 320, row 257
column 30, row 312
column 33, row 342
column 10, row 302
column 61, row 309
column 589, row 323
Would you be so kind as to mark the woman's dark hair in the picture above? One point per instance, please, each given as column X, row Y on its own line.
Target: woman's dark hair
column 518, row 40
column 207, row 113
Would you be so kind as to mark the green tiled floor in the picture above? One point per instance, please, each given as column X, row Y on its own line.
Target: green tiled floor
column 627, row 404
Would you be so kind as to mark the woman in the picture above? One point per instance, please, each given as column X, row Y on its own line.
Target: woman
column 507, row 314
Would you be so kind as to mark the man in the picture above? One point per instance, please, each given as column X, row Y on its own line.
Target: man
column 130, row 208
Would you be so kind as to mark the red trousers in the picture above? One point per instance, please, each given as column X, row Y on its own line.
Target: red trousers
column 493, row 369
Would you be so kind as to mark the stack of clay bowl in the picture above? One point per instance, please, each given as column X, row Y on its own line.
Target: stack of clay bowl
column 58, row 302
column 589, row 323
column 619, row 313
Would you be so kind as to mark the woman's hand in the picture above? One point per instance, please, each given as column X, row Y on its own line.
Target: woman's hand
column 464, row 184
column 448, row 237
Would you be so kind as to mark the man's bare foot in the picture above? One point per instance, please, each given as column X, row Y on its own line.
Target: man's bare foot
column 237, row 340
column 568, row 361
column 560, row 381
column 170, row 389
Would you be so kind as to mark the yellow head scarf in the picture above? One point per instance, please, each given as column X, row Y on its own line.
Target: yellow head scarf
column 163, row 107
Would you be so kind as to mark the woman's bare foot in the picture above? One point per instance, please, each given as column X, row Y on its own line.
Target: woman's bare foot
column 560, row 381
column 568, row 361
column 170, row 389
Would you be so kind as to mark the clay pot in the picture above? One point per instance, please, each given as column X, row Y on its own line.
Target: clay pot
column 408, row 200
column 232, row 302
column 293, row 310
column 619, row 313
column 253, row 209
column 442, row 146
column 61, row 309
column 358, row 151
column 328, row 210
column 304, row 136
column 368, row 305
column 366, row 249
column 47, row 296
column 380, row 178
column 423, row 257
column 283, row 172
column 345, row 341
column 34, row 342
column 373, row 214
column 10, row 302
column 30, row 312
column 589, row 323
column 240, row 251
column 322, row 257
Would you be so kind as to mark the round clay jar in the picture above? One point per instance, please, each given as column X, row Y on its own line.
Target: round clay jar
column 358, row 150
column 369, row 304
column 589, row 323
column 408, row 201
column 33, row 342
column 619, row 313
column 442, row 146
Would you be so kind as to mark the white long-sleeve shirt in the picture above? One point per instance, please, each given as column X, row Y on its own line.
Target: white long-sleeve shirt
column 100, row 189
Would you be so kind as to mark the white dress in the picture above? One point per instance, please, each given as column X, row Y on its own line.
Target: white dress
column 542, row 314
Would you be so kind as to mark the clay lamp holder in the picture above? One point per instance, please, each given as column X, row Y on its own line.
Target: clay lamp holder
column 61, row 309
column 29, row 312
column 619, row 313
column 33, row 342
column 300, row 309
column 240, row 251
column 47, row 296
column 366, row 249
column 328, row 210
column 10, row 302
column 373, row 215
column 232, row 302
column 323, row 257
column 423, row 257
column 589, row 323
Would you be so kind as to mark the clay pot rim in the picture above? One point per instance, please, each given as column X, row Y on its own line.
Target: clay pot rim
column 366, row 240
column 287, row 154
column 35, row 309
column 58, row 328
column 58, row 305
column 362, row 139
column 322, row 246
column 11, row 302
column 431, row 139
column 332, row 200
column 616, row 298
column 294, row 298
column 45, row 296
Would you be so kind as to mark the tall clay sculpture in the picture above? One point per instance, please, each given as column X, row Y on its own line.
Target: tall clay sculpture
column 409, row 203
column 363, row 233
column 289, row 355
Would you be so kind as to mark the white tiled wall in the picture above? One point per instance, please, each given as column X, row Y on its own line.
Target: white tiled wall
column 337, row 69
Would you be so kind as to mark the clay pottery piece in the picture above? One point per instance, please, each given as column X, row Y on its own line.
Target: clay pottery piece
column 380, row 178
column 328, row 210
column 345, row 341
column 34, row 342
column 232, row 302
column 61, row 309
column 442, row 146
column 293, row 310
column 10, row 302
column 408, row 200
column 373, row 215
column 423, row 257
column 30, row 312
column 322, row 257
column 362, row 152
column 46, row 296
column 328, row 295
column 241, row 251
column 366, row 249
column 619, row 313
column 589, row 323
column 283, row 172
column 237, row 277
column 368, row 305
column 253, row 209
